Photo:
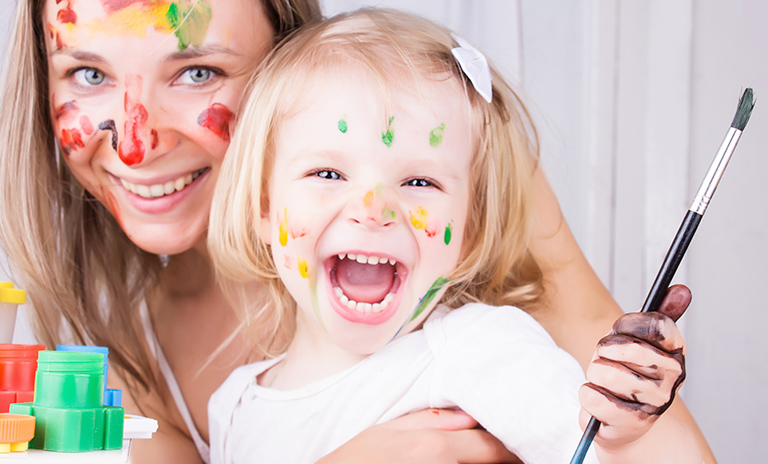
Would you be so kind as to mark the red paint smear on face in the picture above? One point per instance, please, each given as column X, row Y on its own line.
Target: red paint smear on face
column 131, row 148
column 110, row 6
column 86, row 125
column 71, row 140
column 216, row 119
column 56, row 37
column 65, row 110
column 67, row 15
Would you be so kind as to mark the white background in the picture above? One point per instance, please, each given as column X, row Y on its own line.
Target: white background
column 633, row 99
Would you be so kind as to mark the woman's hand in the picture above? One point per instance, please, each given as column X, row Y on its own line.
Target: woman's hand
column 433, row 436
column 635, row 372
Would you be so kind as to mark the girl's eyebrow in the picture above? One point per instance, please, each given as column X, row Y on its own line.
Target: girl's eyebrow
column 80, row 55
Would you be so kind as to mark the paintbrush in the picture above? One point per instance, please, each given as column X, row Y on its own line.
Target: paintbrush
column 684, row 235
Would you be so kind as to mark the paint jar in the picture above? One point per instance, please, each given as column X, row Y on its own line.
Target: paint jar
column 10, row 299
column 111, row 397
column 18, row 364
column 70, row 416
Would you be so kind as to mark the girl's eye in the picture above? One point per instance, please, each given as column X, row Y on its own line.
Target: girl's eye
column 419, row 183
column 195, row 76
column 328, row 174
column 89, row 77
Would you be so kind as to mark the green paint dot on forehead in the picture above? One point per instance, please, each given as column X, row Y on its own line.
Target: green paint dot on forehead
column 342, row 125
column 189, row 23
column 388, row 136
column 436, row 135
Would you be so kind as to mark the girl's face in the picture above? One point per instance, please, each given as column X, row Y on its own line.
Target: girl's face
column 368, row 204
column 142, row 95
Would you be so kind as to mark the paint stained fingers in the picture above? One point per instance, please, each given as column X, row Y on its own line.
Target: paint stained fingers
column 621, row 421
column 645, row 388
column 654, row 328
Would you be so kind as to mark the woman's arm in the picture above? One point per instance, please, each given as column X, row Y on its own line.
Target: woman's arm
column 579, row 309
column 171, row 442
column 432, row 436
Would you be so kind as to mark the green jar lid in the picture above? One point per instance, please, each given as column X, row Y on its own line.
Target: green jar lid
column 70, row 361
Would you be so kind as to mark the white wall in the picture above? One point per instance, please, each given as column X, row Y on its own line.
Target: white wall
column 633, row 99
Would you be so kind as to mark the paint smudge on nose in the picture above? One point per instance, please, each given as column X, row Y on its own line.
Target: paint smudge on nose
column 189, row 22
column 342, row 125
column 420, row 221
column 303, row 268
column 436, row 135
column 67, row 14
column 448, row 233
column 368, row 199
column 70, row 140
column 131, row 148
column 389, row 136
column 109, row 125
column 66, row 110
column 216, row 119
column 283, row 228
column 86, row 125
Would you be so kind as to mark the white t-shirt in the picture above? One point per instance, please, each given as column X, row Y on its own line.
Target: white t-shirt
column 496, row 363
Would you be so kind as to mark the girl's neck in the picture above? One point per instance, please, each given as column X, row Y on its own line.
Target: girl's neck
column 309, row 358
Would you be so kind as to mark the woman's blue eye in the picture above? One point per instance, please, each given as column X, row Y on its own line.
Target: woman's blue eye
column 199, row 74
column 89, row 76
column 327, row 174
column 418, row 183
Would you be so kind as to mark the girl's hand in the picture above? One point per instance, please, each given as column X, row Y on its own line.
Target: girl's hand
column 635, row 372
column 433, row 436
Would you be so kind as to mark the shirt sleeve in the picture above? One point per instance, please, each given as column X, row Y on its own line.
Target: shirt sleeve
column 502, row 368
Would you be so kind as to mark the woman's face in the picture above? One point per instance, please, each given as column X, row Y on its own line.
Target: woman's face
column 142, row 97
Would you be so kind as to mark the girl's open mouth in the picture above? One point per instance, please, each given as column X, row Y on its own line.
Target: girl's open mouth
column 364, row 287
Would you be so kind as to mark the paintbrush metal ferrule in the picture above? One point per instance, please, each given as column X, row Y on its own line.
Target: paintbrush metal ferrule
column 715, row 172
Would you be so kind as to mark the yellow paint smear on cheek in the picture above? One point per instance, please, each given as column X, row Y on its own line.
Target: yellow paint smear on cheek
column 419, row 218
column 283, row 229
column 137, row 19
column 303, row 268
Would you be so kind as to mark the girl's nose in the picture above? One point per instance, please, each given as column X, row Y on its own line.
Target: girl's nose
column 373, row 210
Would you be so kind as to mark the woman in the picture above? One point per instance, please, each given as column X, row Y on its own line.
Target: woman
column 106, row 222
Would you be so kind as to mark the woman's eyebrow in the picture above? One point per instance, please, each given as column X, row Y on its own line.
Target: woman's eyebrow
column 80, row 55
column 197, row 52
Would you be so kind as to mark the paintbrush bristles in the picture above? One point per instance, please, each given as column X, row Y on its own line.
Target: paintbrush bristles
column 746, row 103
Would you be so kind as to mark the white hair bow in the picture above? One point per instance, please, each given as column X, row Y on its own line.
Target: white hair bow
column 475, row 66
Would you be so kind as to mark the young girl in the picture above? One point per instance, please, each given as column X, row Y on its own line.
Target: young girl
column 380, row 188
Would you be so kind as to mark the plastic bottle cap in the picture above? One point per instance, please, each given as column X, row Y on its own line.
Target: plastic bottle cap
column 16, row 428
column 8, row 294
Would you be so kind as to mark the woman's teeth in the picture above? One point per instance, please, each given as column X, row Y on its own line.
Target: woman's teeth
column 363, row 307
column 160, row 190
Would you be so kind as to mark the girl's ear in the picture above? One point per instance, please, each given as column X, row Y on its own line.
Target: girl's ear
column 264, row 225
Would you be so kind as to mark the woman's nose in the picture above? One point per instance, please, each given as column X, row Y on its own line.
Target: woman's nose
column 142, row 138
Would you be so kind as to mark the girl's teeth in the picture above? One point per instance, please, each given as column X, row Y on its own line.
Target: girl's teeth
column 363, row 259
column 159, row 190
column 363, row 307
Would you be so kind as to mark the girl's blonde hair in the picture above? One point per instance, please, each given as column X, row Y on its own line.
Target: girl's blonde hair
column 496, row 266
column 81, row 272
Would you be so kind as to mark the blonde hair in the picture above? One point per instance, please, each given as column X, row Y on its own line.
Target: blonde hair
column 81, row 272
column 496, row 266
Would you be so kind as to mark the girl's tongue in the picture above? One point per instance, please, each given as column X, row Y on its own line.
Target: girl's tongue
column 364, row 283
